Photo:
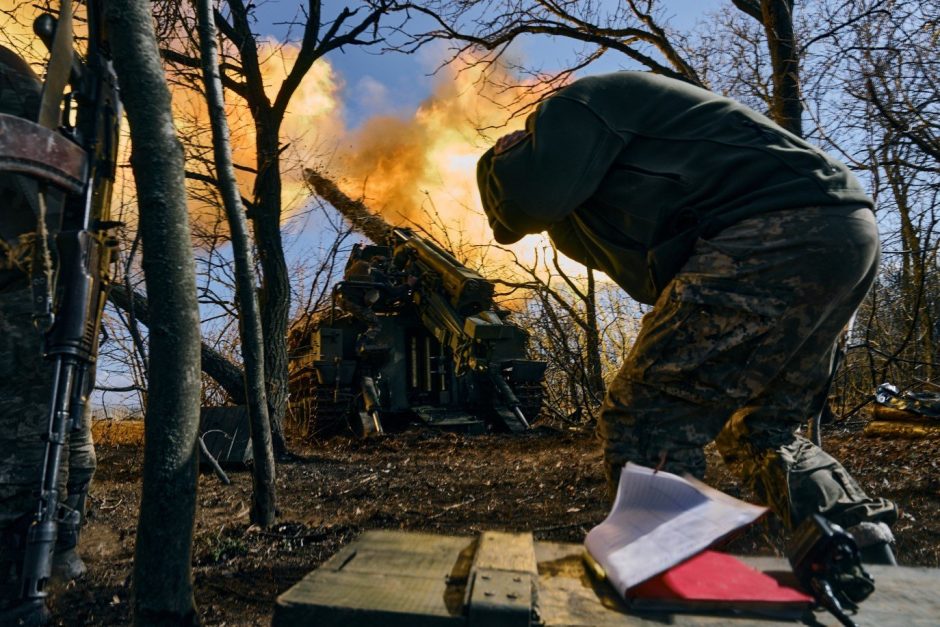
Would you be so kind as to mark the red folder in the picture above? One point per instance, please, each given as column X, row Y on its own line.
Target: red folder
column 717, row 581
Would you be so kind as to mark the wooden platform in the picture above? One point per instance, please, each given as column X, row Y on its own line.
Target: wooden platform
column 400, row 579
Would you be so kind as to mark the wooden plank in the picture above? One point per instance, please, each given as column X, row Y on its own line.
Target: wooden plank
column 397, row 579
column 388, row 578
column 502, row 581
column 346, row 599
column 399, row 551
column 499, row 550
column 885, row 412
column 895, row 429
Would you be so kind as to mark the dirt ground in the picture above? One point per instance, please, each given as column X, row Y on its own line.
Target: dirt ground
column 548, row 481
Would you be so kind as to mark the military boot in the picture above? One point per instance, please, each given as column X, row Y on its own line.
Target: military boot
column 67, row 565
column 874, row 543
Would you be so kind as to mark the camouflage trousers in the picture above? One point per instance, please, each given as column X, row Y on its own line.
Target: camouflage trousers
column 738, row 349
column 25, row 388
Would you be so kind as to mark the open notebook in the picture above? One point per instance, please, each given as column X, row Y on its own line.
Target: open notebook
column 660, row 520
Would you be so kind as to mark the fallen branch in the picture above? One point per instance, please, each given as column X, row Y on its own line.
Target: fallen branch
column 447, row 508
column 213, row 462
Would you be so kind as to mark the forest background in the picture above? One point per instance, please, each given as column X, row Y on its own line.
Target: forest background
column 397, row 100
column 857, row 77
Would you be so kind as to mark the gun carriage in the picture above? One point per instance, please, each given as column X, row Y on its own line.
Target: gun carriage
column 440, row 350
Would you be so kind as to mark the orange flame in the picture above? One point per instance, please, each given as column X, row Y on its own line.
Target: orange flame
column 313, row 115
column 419, row 171
column 422, row 171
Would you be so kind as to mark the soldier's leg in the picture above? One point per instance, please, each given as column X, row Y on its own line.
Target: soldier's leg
column 793, row 475
column 67, row 564
column 680, row 382
column 25, row 388
column 837, row 262
column 691, row 365
column 729, row 324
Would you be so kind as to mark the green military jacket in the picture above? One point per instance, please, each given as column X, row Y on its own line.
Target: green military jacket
column 20, row 93
column 626, row 170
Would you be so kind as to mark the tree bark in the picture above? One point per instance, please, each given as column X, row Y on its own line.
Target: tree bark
column 275, row 287
column 264, row 492
column 786, row 108
column 593, row 339
column 227, row 374
column 163, row 591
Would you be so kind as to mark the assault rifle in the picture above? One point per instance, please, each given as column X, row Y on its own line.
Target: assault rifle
column 79, row 159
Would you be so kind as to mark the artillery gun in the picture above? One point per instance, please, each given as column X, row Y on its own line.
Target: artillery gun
column 391, row 350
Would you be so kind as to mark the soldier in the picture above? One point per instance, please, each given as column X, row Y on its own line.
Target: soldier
column 26, row 378
column 754, row 248
column 359, row 301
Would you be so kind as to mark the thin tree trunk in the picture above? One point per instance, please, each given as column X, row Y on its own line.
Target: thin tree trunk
column 263, row 508
column 163, row 590
column 786, row 108
column 595, row 372
column 275, row 287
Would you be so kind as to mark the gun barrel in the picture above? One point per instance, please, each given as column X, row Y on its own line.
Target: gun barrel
column 359, row 216
column 41, row 536
column 469, row 291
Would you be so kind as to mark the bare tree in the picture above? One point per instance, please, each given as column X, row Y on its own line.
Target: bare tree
column 579, row 327
column 242, row 75
column 162, row 560
column 263, row 510
column 894, row 103
column 635, row 29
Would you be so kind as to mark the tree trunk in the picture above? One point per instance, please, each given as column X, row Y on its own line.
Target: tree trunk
column 163, row 591
column 786, row 108
column 275, row 287
column 264, row 493
column 227, row 374
column 593, row 339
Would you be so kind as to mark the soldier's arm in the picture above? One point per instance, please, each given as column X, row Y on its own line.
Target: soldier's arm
column 529, row 182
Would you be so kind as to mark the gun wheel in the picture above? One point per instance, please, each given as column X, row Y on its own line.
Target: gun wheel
column 530, row 395
column 329, row 410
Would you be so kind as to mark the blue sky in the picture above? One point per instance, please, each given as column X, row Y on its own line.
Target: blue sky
column 395, row 84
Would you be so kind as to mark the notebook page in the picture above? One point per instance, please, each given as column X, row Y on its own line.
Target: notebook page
column 659, row 520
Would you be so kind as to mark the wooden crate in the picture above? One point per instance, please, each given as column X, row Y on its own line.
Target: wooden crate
column 402, row 579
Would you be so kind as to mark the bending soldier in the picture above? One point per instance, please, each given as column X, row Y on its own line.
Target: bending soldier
column 754, row 248
column 25, row 377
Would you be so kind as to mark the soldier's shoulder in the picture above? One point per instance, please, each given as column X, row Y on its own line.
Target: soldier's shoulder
column 13, row 64
column 20, row 88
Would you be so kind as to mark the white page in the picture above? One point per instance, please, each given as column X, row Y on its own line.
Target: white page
column 659, row 520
